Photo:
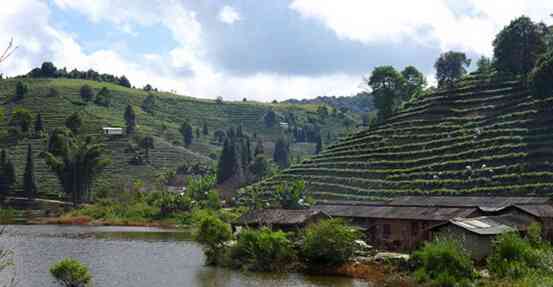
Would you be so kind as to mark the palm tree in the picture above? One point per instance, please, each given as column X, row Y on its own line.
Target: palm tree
column 76, row 162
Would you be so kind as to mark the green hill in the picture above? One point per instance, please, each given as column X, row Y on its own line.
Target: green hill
column 484, row 136
column 169, row 112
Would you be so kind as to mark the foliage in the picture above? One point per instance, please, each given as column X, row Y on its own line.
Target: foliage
column 260, row 166
column 443, row 262
column 148, row 105
column 29, row 181
column 147, row 143
column 86, row 92
column 71, row 273
column 541, row 78
column 484, row 65
column 270, row 119
column 130, row 119
column 386, row 84
column 414, row 82
column 514, row 257
column 450, row 67
column 205, row 129
column 39, row 124
column 74, row 122
column 212, row 232
column 291, row 196
column 49, row 70
column 328, row 242
column 124, row 82
column 76, row 162
column 281, row 152
column 262, row 250
column 187, row 133
column 21, row 118
column 103, row 98
column 228, row 162
column 21, row 89
column 518, row 46
column 7, row 174
column 319, row 145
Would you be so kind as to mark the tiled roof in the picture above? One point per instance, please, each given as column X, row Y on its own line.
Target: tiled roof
column 396, row 212
column 277, row 216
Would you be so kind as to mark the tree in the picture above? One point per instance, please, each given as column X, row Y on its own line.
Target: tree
column 71, row 273
column 148, row 88
column 541, row 78
column 52, row 92
column 329, row 242
column 7, row 174
column 484, row 65
column 74, row 122
column 322, row 110
column 518, row 46
column 198, row 133
column 319, row 146
column 76, row 162
column 205, row 129
column 228, row 162
column 270, row 119
column 147, row 143
column 124, row 82
column 386, row 84
column 103, row 98
column 149, row 103
column 86, row 92
column 39, row 124
column 21, row 118
column 130, row 119
column 259, row 149
column 451, row 66
column 281, row 153
column 212, row 232
column 29, row 182
column 48, row 70
column 21, row 89
column 187, row 133
column 415, row 82
column 260, row 166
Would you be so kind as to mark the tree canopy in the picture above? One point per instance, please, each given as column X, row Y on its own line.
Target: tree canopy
column 451, row 66
column 386, row 84
column 130, row 119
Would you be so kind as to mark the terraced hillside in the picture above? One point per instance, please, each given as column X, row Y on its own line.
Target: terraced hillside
column 485, row 136
column 169, row 112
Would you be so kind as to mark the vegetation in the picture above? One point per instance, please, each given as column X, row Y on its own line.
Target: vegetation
column 87, row 94
column 21, row 120
column 213, row 233
column 281, row 153
column 541, row 78
column 49, row 70
column 71, row 273
column 187, row 133
column 103, row 98
column 29, row 183
column 444, row 262
column 74, row 123
column 21, row 89
column 130, row 119
column 450, row 67
column 329, row 242
column 7, row 174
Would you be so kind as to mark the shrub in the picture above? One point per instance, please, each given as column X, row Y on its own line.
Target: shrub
column 262, row 250
column 103, row 98
column 443, row 262
column 21, row 90
column 71, row 273
column 21, row 118
column 86, row 93
column 329, row 242
column 212, row 232
column 513, row 257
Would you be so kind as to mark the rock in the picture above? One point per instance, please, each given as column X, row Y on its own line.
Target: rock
column 392, row 257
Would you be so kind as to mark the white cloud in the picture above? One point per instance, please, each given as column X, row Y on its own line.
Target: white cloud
column 228, row 15
column 427, row 22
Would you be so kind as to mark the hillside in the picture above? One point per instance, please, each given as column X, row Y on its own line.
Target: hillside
column 360, row 103
column 484, row 136
column 169, row 112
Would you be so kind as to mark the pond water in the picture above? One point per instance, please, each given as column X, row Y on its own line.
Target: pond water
column 132, row 257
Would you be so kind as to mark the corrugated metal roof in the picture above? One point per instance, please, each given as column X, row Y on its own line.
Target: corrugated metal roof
column 277, row 216
column 493, row 225
column 538, row 210
column 396, row 212
column 484, row 202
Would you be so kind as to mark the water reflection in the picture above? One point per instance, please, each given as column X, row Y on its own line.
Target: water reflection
column 125, row 257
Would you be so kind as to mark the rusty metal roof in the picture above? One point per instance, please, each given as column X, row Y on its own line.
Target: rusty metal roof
column 278, row 216
column 537, row 210
column 483, row 202
column 396, row 212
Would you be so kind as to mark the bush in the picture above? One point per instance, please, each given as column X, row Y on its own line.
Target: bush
column 513, row 257
column 21, row 89
column 86, row 92
column 263, row 250
column 103, row 98
column 213, row 233
column 71, row 273
column 443, row 262
column 329, row 242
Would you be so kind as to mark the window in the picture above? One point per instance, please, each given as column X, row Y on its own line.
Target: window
column 386, row 232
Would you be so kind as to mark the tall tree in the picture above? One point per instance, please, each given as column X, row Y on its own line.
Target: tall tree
column 86, row 92
column 130, row 119
column 124, row 82
column 259, row 149
column 76, row 162
column 281, row 153
column 147, row 143
column 29, row 182
column 205, row 129
column 319, row 146
column 22, row 119
column 7, row 174
column 39, row 124
column 74, row 122
column 386, row 84
column 415, row 82
column 518, row 46
column 198, row 133
column 149, row 103
column 484, row 65
column 187, row 133
column 21, row 89
column 228, row 162
column 103, row 98
column 270, row 119
column 451, row 66
column 541, row 78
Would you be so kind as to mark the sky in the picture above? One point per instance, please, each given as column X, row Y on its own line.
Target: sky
column 260, row 50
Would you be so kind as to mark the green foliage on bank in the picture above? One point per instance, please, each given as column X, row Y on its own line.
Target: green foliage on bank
column 71, row 273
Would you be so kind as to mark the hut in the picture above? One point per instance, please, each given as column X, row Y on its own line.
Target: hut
column 109, row 131
column 280, row 219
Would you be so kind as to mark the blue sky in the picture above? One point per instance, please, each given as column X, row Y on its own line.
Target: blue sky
column 261, row 50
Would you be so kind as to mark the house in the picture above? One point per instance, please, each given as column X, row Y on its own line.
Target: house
column 476, row 235
column 280, row 219
column 404, row 223
column 396, row 227
column 112, row 131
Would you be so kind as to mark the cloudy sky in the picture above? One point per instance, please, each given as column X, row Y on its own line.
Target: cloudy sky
column 260, row 50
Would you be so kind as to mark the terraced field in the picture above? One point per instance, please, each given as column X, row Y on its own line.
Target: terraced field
column 484, row 136
column 169, row 112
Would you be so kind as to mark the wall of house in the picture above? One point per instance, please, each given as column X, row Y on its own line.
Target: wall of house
column 398, row 234
column 479, row 246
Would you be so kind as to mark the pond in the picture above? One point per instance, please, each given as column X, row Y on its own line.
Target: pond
column 133, row 257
